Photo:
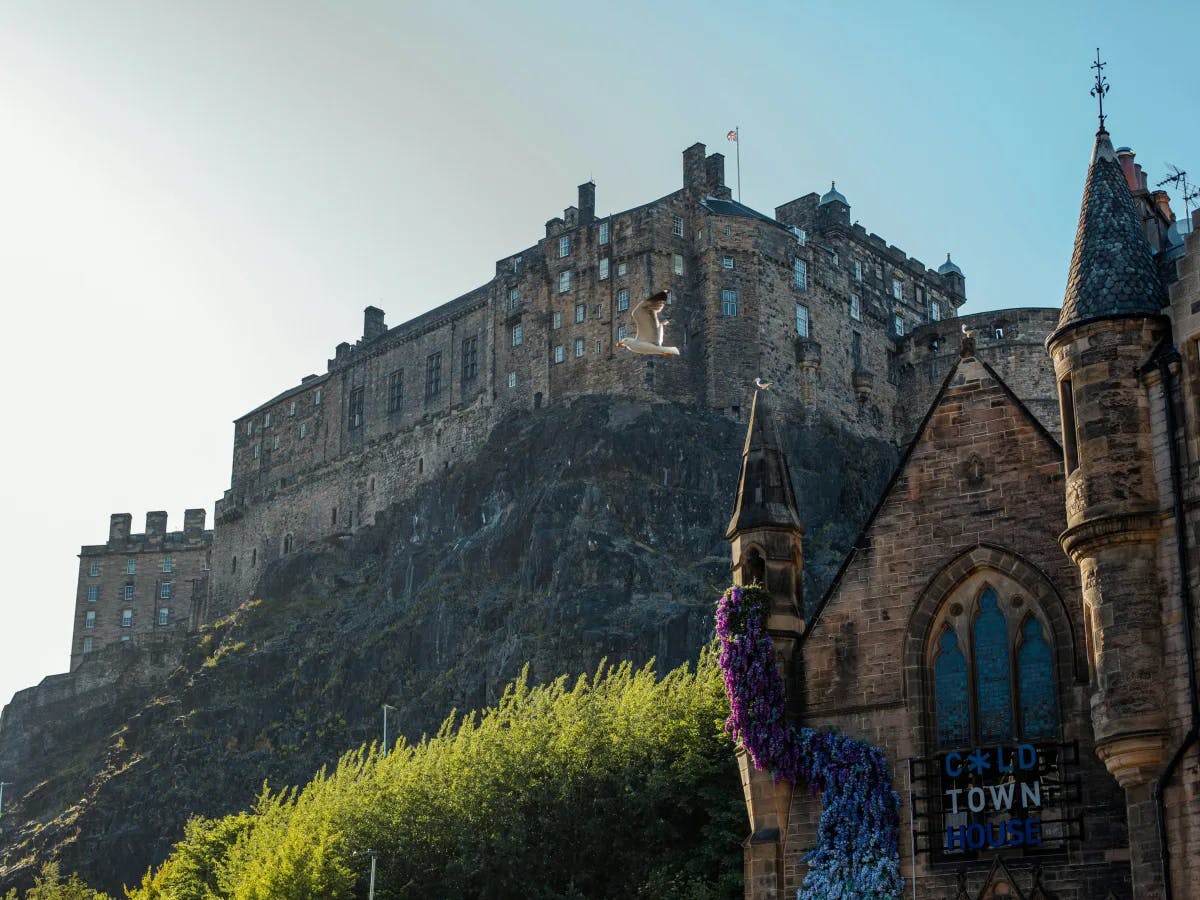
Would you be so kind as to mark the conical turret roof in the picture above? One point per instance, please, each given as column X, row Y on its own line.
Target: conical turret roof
column 765, row 498
column 1112, row 270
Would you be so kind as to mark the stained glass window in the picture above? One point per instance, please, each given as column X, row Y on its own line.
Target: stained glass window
column 993, row 672
column 1035, row 677
column 950, row 691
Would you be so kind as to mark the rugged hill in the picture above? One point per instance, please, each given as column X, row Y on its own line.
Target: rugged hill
column 582, row 531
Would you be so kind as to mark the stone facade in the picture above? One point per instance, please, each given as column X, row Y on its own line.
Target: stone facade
column 139, row 586
column 838, row 319
column 996, row 550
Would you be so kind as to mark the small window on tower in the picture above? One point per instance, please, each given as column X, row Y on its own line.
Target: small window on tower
column 564, row 281
column 602, row 271
column 164, row 616
column 677, row 226
column 855, row 308
column 564, row 246
column 603, row 238
column 93, row 568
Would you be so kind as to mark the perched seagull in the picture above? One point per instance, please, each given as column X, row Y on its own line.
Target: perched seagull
column 967, row 332
column 649, row 337
column 762, row 385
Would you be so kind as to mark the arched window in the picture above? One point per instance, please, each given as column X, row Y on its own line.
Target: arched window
column 287, row 543
column 992, row 671
column 754, row 568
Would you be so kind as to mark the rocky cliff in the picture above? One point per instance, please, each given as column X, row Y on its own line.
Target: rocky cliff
column 584, row 531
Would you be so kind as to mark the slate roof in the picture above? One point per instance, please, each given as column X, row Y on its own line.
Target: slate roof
column 1112, row 270
column 765, row 497
column 733, row 208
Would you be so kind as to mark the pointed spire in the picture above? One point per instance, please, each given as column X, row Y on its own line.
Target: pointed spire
column 1112, row 270
column 765, row 498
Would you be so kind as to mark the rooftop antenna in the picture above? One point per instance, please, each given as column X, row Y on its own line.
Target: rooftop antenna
column 1101, row 87
column 1188, row 192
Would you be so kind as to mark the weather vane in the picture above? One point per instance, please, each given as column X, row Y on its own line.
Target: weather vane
column 1101, row 87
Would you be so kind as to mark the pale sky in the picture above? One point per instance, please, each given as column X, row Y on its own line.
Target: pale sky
column 197, row 199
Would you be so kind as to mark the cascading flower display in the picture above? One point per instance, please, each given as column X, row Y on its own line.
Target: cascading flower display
column 856, row 855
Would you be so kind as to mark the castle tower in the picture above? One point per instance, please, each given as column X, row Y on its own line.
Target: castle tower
column 765, row 536
column 1111, row 324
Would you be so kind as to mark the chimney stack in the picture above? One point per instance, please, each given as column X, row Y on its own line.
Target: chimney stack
column 1128, row 169
column 587, row 202
column 193, row 524
column 693, row 166
column 156, row 526
column 714, row 173
column 373, row 325
column 118, row 528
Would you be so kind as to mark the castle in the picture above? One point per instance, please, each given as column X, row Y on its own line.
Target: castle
column 838, row 319
column 973, row 612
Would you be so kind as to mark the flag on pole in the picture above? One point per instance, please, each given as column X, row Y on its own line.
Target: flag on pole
column 732, row 135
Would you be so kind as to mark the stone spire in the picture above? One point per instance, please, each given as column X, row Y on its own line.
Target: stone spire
column 765, row 498
column 1112, row 270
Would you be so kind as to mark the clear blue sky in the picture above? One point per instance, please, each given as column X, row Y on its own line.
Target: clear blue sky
column 199, row 198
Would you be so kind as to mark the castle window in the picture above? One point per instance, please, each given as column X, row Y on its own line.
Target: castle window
column 935, row 311
column 602, row 272
column 599, row 346
column 579, row 347
column 512, row 380
column 622, row 268
column 898, row 325
column 603, row 238
column 897, row 289
column 131, row 567
column 800, row 275
column 802, row 320
column 433, row 375
column 87, row 644
column 470, row 359
column 999, row 334
column 856, row 350
column 93, row 593
column 275, row 442
column 858, row 270
column 564, row 246
column 127, row 618
column 257, row 448
column 623, row 299
column 727, row 262
column 729, row 303
column 855, row 308
column 233, row 564
column 518, row 335
column 677, row 263
column 249, row 427
column 287, row 543
column 564, row 281
column 993, row 683
column 127, row 593
column 317, row 397
column 164, row 616
column 836, row 259
column 580, row 312
column 356, row 408
column 292, row 408
column 93, row 568
column 622, row 331
column 677, row 225
column 303, row 429
column 395, row 393
column 89, row 620
column 556, row 320
column 168, row 564
column 559, row 354
column 164, row 591
column 267, row 421
column 514, row 298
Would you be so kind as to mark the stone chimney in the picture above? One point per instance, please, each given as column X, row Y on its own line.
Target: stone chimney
column 373, row 325
column 714, row 173
column 118, row 528
column 693, row 166
column 156, row 526
column 193, row 524
column 587, row 202
column 1128, row 168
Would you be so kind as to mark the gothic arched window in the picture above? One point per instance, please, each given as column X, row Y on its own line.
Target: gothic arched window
column 992, row 671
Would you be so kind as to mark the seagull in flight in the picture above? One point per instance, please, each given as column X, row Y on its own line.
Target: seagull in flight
column 649, row 337
column 762, row 385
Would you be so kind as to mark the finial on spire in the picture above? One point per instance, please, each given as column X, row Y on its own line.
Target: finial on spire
column 833, row 185
column 1101, row 87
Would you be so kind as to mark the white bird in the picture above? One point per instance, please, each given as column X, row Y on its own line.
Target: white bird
column 649, row 337
column 969, row 332
column 762, row 385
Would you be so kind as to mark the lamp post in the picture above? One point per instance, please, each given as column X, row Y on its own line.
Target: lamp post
column 374, row 854
column 386, row 707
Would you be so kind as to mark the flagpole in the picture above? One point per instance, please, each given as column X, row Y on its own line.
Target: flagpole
column 738, row 152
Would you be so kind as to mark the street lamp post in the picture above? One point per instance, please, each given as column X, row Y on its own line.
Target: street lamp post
column 374, row 854
column 386, row 707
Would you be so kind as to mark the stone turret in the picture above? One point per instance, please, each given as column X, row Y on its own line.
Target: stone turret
column 765, row 535
column 1110, row 325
